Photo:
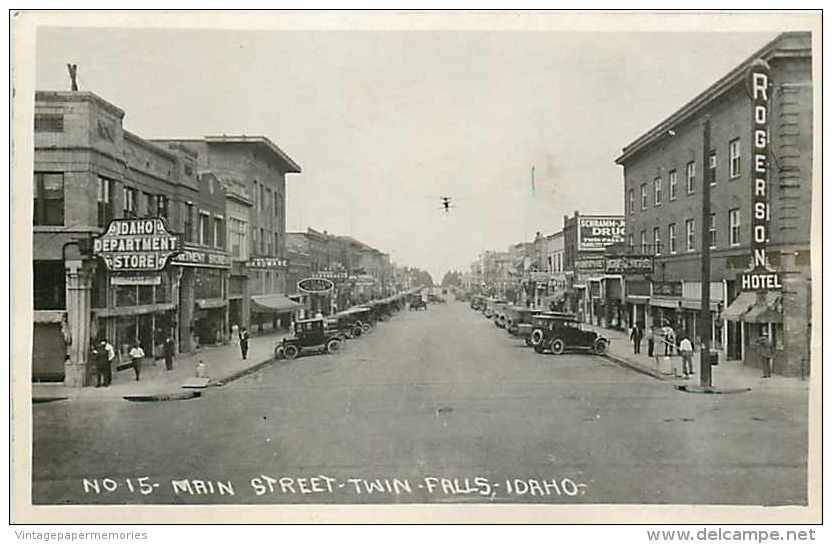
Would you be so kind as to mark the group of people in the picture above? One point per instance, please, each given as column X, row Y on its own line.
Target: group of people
column 103, row 355
column 665, row 335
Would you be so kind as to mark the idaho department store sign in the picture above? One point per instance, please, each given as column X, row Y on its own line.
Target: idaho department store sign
column 136, row 245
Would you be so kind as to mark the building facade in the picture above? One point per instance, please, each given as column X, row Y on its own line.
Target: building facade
column 664, row 172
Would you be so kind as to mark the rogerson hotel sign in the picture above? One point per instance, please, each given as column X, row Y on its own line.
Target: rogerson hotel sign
column 759, row 276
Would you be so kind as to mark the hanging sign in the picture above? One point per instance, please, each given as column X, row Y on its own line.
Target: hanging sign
column 628, row 264
column 759, row 277
column 136, row 245
column 597, row 232
column 136, row 279
column 267, row 263
column 315, row 286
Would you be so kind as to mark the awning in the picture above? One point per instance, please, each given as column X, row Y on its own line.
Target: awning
column 275, row 303
column 210, row 303
column 750, row 308
column 665, row 302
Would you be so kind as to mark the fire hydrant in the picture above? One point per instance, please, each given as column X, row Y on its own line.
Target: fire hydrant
column 201, row 370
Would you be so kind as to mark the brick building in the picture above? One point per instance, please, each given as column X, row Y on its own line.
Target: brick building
column 663, row 176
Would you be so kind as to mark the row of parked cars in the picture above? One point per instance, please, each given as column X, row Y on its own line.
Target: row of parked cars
column 545, row 331
column 327, row 334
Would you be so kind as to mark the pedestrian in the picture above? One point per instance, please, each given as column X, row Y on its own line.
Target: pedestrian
column 235, row 333
column 651, row 341
column 686, row 351
column 103, row 371
column 111, row 357
column 766, row 350
column 244, row 342
column 635, row 335
column 136, row 356
column 169, row 349
column 669, row 339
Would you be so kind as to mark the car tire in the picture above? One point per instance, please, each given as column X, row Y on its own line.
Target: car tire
column 366, row 327
column 333, row 345
column 557, row 346
column 528, row 341
column 600, row 347
column 291, row 351
column 356, row 331
column 536, row 337
column 278, row 352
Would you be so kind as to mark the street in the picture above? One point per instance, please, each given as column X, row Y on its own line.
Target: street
column 432, row 406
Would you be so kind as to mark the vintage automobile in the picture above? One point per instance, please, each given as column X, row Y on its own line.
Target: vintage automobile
column 309, row 334
column 558, row 332
column 416, row 302
column 436, row 299
column 350, row 323
column 491, row 306
column 522, row 323
column 477, row 302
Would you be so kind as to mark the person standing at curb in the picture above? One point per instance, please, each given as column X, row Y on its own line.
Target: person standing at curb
column 651, row 342
column 111, row 357
column 136, row 356
column 766, row 351
column 635, row 336
column 169, row 349
column 244, row 342
column 103, row 371
column 686, row 351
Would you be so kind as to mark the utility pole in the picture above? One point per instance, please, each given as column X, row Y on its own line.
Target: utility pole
column 705, row 281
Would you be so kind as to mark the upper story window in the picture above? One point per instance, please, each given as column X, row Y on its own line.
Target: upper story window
column 690, row 177
column 672, row 182
column 734, row 226
column 712, row 231
column 218, row 233
column 162, row 206
column 712, row 167
column 130, row 197
column 657, row 192
column 671, row 238
column 49, row 122
column 734, row 158
column 644, row 248
column 204, row 229
column 657, row 240
column 690, row 235
column 643, row 196
column 631, row 201
column 189, row 222
column 630, row 242
column 49, row 198
column 105, row 202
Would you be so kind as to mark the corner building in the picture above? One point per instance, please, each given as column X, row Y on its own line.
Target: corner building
column 663, row 176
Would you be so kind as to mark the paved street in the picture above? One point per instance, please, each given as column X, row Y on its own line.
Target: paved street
column 436, row 406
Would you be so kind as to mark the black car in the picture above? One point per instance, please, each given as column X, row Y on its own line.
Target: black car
column 560, row 332
column 418, row 303
column 309, row 334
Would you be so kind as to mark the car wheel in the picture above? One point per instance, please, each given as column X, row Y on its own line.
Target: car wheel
column 356, row 331
column 333, row 345
column 537, row 337
column 528, row 341
column 365, row 327
column 278, row 352
column 600, row 347
column 557, row 346
column 291, row 351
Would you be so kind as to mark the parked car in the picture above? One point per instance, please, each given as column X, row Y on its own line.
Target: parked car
column 418, row 303
column 558, row 332
column 477, row 302
column 309, row 334
column 350, row 323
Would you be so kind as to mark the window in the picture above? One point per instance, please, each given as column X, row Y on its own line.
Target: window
column 162, row 206
column 644, row 247
column 276, row 244
column 238, row 238
column 712, row 231
column 657, row 192
column 105, row 204
column 254, row 245
column 734, row 158
column 643, row 196
column 734, row 226
column 269, row 245
column 49, row 282
column 712, row 167
column 49, row 122
column 130, row 197
column 218, row 232
column 671, row 238
column 149, row 205
column 631, row 201
column 254, row 196
column 204, row 229
column 657, row 241
column 690, row 235
column 276, row 205
column 630, row 242
column 49, row 198
column 262, row 239
column 672, row 181
column 189, row 222
column 262, row 202
column 269, row 199
column 690, row 176
column 208, row 283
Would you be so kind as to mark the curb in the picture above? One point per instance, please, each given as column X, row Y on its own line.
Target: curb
column 638, row 368
column 160, row 397
column 241, row 373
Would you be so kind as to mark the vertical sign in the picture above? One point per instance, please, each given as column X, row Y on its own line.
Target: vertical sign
column 760, row 277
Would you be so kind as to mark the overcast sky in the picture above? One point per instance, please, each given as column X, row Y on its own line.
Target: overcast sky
column 383, row 123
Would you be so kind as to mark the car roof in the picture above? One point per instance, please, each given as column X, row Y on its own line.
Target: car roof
column 309, row 320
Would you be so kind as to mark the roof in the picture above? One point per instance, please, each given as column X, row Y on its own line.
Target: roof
column 263, row 141
column 787, row 44
column 77, row 96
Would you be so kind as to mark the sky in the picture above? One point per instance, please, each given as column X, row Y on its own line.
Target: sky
column 384, row 123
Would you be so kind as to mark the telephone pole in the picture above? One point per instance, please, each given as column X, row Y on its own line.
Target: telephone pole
column 705, row 281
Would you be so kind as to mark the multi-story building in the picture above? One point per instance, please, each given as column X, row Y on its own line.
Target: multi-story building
column 755, row 151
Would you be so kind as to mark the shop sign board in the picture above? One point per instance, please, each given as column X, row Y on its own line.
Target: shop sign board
column 590, row 263
column 315, row 286
column 597, row 232
column 202, row 257
column 136, row 245
column 760, row 276
column 628, row 264
column 136, row 279
column 267, row 263
column 667, row 288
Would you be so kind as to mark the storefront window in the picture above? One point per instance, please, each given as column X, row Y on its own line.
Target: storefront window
column 49, row 285
column 208, row 283
column 100, row 282
column 145, row 294
column 126, row 295
column 162, row 290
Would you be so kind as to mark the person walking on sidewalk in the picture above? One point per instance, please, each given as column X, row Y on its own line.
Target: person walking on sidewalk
column 766, row 350
column 137, row 356
column 635, row 336
column 669, row 339
column 103, row 371
column 244, row 342
column 169, row 349
column 686, row 351
column 651, row 341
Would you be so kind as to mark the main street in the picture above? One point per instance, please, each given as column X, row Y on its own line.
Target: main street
column 436, row 406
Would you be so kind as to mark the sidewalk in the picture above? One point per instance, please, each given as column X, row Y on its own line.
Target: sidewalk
column 224, row 363
column 727, row 374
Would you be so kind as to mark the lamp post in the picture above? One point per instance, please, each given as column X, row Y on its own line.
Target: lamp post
column 705, row 276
